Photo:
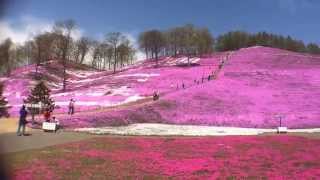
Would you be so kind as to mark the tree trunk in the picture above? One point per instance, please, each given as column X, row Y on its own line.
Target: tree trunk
column 64, row 75
column 156, row 54
column 82, row 58
column 115, row 60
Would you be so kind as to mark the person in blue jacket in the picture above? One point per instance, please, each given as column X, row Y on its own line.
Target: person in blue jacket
column 22, row 121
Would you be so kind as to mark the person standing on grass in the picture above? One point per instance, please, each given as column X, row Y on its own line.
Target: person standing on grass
column 71, row 107
column 22, row 121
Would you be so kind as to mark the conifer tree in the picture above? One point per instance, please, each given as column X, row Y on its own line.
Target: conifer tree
column 3, row 104
column 40, row 94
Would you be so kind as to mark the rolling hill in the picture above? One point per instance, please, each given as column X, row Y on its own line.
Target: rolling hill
column 253, row 88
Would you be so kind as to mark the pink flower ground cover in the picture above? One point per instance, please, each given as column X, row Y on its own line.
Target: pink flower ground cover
column 232, row 157
column 254, row 87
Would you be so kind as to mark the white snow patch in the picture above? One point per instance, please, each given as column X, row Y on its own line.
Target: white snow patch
column 182, row 60
column 104, row 103
column 86, row 80
column 95, row 94
column 123, row 91
column 133, row 98
column 3, row 79
column 82, row 74
column 142, row 80
column 149, row 129
column 138, row 75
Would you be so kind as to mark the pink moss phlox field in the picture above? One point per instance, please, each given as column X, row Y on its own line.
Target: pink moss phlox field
column 254, row 87
column 274, row 157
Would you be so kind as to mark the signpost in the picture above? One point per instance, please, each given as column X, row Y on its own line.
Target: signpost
column 281, row 129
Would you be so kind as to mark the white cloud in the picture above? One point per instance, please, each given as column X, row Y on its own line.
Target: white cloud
column 139, row 54
column 27, row 27
column 24, row 29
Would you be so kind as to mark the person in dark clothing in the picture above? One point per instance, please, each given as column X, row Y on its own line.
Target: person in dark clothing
column 71, row 107
column 22, row 121
column 156, row 96
column 47, row 115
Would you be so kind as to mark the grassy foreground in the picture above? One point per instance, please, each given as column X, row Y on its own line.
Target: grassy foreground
column 231, row 157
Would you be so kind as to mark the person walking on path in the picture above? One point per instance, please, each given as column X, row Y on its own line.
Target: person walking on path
column 71, row 107
column 22, row 121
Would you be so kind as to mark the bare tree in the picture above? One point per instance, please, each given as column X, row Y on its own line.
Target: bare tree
column 43, row 48
column 154, row 41
column 115, row 39
column 96, row 55
column 83, row 46
column 63, row 31
column 205, row 41
column 190, row 40
column 6, row 56
column 144, row 43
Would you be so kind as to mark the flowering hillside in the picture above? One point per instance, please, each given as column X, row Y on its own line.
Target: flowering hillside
column 253, row 88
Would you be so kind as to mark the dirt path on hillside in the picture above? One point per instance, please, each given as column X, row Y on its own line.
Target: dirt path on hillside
column 138, row 103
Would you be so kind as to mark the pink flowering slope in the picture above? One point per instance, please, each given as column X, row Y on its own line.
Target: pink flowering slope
column 246, row 157
column 254, row 86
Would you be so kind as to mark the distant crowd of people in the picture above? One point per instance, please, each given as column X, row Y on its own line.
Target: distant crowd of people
column 47, row 115
column 209, row 77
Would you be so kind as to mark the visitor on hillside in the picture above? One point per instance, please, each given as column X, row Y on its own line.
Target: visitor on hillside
column 22, row 121
column 183, row 86
column 209, row 77
column 71, row 107
column 156, row 96
column 47, row 115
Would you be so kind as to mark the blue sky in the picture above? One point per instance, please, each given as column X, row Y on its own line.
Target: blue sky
column 298, row 18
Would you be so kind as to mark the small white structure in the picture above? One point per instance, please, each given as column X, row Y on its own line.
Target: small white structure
column 282, row 130
column 49, row 126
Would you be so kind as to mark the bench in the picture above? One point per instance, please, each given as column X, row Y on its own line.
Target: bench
column 282, row 130
column 49, row 126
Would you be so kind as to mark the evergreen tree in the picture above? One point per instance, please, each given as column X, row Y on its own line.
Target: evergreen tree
column 3, row 104
column 40, row 94
column 236, row 39
column 313, row 48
